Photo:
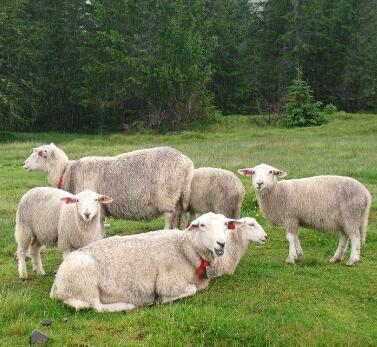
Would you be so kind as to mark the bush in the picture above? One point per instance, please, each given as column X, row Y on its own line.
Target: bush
column 330, row 109
column 300, row 108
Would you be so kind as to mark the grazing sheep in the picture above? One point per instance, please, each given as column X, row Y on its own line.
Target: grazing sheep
column 50, row 216
column 328, row 203
column 143, row 183
column 122, row 272
column 216, row 190
column 247, row 230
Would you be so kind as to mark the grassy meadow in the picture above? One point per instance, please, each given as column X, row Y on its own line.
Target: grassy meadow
column 266, row 302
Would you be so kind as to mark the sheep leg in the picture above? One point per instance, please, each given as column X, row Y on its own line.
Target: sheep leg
column 299, row 251
column 22, row 270
column 292, row 253
column 35, row 253
column 169, row 219
column 355, row 249
column 342, row 246
column 115, row 307
column 187, row 290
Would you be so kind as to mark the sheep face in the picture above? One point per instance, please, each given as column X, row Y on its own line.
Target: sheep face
column 211, row 231
column 40, row 158
column 253, row 230
column 263, row 176
column 87, row 203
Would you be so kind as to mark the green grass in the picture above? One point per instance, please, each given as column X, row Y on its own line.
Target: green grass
column 266, row 302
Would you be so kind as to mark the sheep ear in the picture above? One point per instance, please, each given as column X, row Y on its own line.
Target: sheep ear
column 280, row 173
column 52, row 144
column 103, row 199
column 69, row 200
column 233, row 224
column 246, row 172
column 194, row 225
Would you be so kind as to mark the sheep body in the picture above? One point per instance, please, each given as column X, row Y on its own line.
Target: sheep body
column 122, row 272
column 43, row 219
column 216, row 190
column 143, row 183
column 327, row 203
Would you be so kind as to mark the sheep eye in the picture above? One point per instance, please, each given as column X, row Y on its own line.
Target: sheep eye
column 251, row 224
column 202, row 225
column 95, row 199
column 45, row 150
column 77, row 200
column 270, row 172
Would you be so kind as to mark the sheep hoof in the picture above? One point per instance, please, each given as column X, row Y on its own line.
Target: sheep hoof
column 334, row 260
column 290, row 260
column 351, row 262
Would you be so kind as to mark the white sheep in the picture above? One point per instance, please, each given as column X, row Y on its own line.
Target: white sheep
column 216, row 190
column 123, row 272
column 247, row 229
column 327, row 203
column 53, row 217
column 143, row 183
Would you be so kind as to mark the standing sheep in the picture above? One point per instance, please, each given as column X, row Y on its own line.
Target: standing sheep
column 328, row 203
column 50, row 216
column 143, row 183
column 216, row 190
column 122, row 272
column 247, row 230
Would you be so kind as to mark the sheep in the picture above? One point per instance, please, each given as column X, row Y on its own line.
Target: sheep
column 121, row 273
column 53, row 217
column 215, row 190
column 143, row 183
column 327, row 203
column 247, row 230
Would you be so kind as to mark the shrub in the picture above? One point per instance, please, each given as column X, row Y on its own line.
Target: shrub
column 300, row 108
column 330, row 109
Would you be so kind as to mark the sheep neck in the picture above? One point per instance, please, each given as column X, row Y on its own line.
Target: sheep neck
column 56, row 174
column 236, row 248
column 267, row 200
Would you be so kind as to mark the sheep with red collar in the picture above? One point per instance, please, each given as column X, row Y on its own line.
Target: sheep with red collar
column 328, row 203
column 52, row 217
column 215, row 190
column 121, row 273
column 143, row 183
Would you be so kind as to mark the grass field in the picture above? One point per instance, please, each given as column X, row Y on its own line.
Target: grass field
column 266, row 302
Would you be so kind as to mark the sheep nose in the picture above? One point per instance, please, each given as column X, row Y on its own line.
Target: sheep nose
column 259, row 184
column 87, row 215
column 221, row 244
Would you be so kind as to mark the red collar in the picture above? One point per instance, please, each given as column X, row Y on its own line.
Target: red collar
column 201, row 268
column 60, row 183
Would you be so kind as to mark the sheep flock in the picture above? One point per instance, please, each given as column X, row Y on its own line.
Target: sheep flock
column 122, row 273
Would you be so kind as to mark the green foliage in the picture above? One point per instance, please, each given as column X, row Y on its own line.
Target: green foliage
column 300, row 108
column 96, row 65
column 330, row 109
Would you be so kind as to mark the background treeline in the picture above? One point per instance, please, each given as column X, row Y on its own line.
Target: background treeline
column 88, row 65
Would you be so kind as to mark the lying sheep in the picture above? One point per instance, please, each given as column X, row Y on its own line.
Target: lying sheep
column 216, row 190
column 328, row 203
column 122, row 272
column 247, row 230
column 53, row 217
column 143, row 183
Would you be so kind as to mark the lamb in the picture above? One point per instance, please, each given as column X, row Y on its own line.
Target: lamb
column 143, row 183
column 53, row 217
column 216, row 190
column 327, row 203
column 247, row 230
column 121, row 273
